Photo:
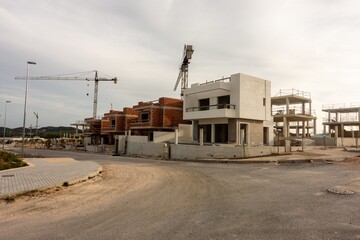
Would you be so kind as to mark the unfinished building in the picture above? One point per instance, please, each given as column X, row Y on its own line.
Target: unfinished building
column 342, row 123
column 293, row 116
column 234, row 110
column 164, row 114
column 116, row 123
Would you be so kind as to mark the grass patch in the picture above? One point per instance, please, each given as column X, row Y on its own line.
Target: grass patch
column 10, row 160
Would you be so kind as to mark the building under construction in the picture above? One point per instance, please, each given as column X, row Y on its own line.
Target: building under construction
column 342, row 123
column 293, row 116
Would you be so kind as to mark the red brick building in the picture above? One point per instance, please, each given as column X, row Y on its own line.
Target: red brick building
column 116, row 123
column 164, row 114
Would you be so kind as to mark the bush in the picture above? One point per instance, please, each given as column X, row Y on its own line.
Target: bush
column 10, row 160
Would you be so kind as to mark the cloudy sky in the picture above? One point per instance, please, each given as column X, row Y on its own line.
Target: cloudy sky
column 310, row 45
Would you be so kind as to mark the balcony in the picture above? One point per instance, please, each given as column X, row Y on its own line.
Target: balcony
column 210, row 111
column 211, row 107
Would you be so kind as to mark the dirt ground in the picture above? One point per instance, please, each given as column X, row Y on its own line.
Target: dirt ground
column 147, row 199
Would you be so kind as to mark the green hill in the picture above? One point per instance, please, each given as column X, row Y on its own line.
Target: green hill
column 44, row 132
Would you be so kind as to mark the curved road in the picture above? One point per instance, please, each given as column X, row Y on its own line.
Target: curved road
column 151, row 199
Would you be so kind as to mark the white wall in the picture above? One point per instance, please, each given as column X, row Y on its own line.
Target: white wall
column 216, row 152
column 158, row 150
column 246, row 93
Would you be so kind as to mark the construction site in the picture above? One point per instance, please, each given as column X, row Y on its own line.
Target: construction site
column 230, row 117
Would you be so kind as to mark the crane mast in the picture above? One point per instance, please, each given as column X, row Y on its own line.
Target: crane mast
column 184, row 69
column 96, row 84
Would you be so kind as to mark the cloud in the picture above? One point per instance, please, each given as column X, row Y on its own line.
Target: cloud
column 311, row 45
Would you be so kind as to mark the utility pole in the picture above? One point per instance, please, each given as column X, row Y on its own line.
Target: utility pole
column 3, row 146
column 36, row 126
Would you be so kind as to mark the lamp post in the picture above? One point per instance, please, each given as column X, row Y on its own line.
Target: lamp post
column 26, row 90
column 36, row 127
column 3, row 146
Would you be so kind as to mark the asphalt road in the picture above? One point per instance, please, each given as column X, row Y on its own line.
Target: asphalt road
column 152, row 199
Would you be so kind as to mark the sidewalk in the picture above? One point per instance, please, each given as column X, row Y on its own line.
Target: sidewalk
column 44, row 173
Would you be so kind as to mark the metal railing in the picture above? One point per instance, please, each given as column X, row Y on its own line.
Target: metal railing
column 342, row 118
column 227, row 79
column 293, row 92
column 210, row 107
column 340, row 105
column 292, row 110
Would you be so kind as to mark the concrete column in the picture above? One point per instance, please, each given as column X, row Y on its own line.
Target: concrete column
column 176, row 136
column 310, row 108
column 297, row 129
column 201, row 137
column 286, row 127
column 329, row 117
column 287, row 105
column 324, row 130
column 307, row 128
column 337, row 131
column 303, row 129
column 314, row 126
column 342, row 130
column 303, row 109
column 336, row 117
column 212, row 133
column 129, row 132
column 195, row 129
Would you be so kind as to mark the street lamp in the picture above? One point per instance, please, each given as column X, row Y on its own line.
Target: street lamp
column 26, row 90
column 36, row 127
column 3, row 146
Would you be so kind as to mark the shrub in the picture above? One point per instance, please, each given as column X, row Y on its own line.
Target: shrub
column 10, row 160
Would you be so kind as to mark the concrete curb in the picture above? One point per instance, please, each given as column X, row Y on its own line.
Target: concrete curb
column 246, row 161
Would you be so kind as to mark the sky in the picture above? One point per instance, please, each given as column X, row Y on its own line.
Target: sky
column 308, row 45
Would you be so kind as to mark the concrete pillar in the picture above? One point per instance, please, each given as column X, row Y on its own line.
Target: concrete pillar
column 201, row 137
column 212, row 133
column 314, row 121
column 297, row 129
column 337, row 131
column 287, row 105
column 303, row 109
column 329, row 117
column 310, row 108
column 303, row 129
column 195, row 129
column 324, row 130
column 285, row 127
column 336, row 117
column 342, row 130
column 307, row 129
column 129, row 132
column 176, row 136
column 242, row 136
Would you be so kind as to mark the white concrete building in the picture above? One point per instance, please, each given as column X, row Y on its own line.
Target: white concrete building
column 234, row 110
